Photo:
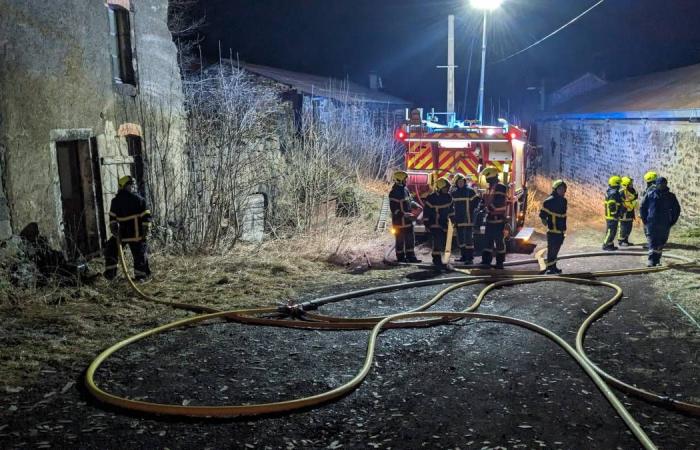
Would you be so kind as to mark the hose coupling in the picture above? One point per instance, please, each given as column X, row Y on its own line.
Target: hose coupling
column 291, row 309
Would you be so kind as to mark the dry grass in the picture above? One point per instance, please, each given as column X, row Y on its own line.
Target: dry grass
column 54, row 327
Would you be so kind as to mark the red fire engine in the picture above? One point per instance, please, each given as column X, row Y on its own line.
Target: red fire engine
column 435, row 149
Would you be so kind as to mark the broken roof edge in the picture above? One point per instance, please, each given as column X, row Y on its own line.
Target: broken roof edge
column 328, row 87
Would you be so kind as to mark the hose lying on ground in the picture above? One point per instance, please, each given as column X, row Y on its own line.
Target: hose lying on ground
column 419, row 318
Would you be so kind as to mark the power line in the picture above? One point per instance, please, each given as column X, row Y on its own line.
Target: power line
column 550, row 34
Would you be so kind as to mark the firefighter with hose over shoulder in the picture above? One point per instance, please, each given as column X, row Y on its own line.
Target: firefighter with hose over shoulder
column 130, row 220
column 629, row 204
column 400, row 205
column 439, row 210
column 553, row 215
column 466, row 200
column 613, row 211
column 494, row 203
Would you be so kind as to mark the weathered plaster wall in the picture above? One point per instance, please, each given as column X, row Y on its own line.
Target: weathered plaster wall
column 586, row 153
column 56, row 74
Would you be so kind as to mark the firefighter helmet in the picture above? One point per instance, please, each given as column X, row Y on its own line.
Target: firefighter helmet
column 614, row 181
column 459, row 176
column 489, row 172
column 626, row 181
column 650, row 176
column 442, row 183
column 124, row 181
column 400, row 176
column 558, row 183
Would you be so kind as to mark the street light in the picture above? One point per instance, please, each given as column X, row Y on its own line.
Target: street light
column 486, row 6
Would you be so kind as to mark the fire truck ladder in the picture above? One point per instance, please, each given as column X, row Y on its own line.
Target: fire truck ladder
column 383, row 215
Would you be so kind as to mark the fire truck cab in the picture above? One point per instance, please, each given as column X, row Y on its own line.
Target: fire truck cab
column 436, row 148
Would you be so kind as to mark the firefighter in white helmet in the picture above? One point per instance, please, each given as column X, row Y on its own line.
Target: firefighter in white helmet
column 439, row 210
column 401, row 206
column 494, row 202
column 130, row 219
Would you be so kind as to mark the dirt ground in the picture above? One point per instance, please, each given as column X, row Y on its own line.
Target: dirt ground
column 466, row 385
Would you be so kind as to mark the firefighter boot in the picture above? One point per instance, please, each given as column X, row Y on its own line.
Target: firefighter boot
column 437, row 262
column 411, row 258
column 500, row 259
column 624, row 243
column 609, row 247
column 467, row 256
column 486, row 259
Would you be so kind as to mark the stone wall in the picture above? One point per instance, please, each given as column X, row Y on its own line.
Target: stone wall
column 585, row 153
column 57, row 79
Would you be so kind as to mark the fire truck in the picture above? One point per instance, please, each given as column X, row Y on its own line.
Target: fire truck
column 439, row 145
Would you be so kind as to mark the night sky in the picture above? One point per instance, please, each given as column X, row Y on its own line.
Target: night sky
column 405, row 39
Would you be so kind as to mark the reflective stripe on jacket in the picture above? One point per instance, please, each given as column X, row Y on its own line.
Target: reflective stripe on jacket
column 400, row 204
column 613, row 203
column 438, row 210
column 554, row 213
column 130, row 211
column 465, row 201
column 629, row 203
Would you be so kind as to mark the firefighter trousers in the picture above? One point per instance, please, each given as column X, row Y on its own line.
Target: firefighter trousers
column 625, row 230
column 439, row 241
column 465, row 237
column 139, row 250
column 405, row 243
column 612, row 231
column 495, row 242
column 657, row 238
column 554, row 243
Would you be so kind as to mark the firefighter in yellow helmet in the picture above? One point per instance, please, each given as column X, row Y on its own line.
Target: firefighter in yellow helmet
column 613, row 211
column 494, row 202
column 401, row 206
column 439, row 210
column 650, row 179
column 130, row 219
column 465, row 201
column 629, row 204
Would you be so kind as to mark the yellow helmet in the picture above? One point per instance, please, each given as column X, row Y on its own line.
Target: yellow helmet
column 626, row 181
column 614, row 181
column 400, row 176
column 489, row 172
column 650, row 176
column 442, row 183
column 557, row 183
column 123, row 181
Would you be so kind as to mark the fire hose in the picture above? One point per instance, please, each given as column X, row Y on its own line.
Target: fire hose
column 417, row 317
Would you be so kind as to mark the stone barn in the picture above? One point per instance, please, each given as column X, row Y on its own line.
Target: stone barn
column 90, row 91
column 625, row 128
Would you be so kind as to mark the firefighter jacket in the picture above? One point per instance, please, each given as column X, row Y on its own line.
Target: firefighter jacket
column 400, row 204
column 131, row 212
column 660, row 208
column 439, row 209
column 465, row 201
column 613, row 203
column 629, row 203
column 495, row 201
column 553, row 213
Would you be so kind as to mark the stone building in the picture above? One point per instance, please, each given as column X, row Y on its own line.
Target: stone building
column 89, row 91
column 626, row 128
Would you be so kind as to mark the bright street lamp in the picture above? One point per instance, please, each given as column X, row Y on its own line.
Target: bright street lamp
column 486, row 6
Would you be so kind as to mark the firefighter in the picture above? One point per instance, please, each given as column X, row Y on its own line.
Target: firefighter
column 494, row 202
column 553, row 215
column 650, row 179
column 439, row 210
column 400, row 204
column 660, row 211
column 629, row 204
column 130, row 219
column 465, row 201
column 613, row 210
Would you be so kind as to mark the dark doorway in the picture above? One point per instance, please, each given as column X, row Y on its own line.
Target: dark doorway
column 83, row 220
column 136, row 152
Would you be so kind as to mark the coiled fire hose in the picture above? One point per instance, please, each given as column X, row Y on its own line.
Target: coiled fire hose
column 416, row 317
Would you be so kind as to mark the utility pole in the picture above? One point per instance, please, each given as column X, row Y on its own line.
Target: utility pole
column 450, row 64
